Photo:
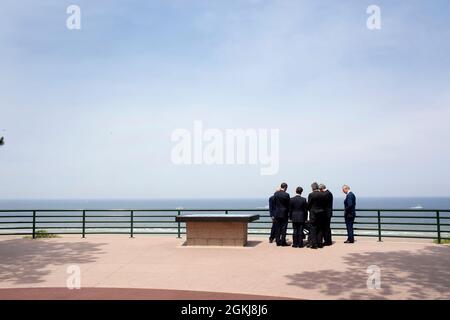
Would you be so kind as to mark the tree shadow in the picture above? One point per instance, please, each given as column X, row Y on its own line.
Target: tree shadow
column 26, row 261
column 422, row 274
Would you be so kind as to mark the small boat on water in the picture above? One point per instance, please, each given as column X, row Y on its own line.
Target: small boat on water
column 418, row 207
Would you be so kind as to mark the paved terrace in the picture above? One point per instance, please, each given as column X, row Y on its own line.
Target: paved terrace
column 169, row 270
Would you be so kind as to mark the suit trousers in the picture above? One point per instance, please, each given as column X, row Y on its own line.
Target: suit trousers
column 318, row 228
column 349, row 224
column 273, row 231
column 297, row 235
column 281, row 228
column 327, row 232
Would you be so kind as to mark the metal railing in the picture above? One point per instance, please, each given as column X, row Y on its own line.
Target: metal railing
column 380, row 223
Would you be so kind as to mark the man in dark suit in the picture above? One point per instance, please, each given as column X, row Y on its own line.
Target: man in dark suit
column 297, row 214
column 349, row 212
column 273, row 231
column 329, row 208
column 317, row 216
column 281, row 202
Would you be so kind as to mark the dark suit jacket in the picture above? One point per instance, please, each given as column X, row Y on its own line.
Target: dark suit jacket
column 271, row 207
column 350, row 205
column 281, row 202
column 298, row 209
column 317, row 205
column 329, row 202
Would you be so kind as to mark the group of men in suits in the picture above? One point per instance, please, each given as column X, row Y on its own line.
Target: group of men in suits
column 283, row 208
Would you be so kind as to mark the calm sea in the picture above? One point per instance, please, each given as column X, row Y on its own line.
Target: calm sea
column 362, row 203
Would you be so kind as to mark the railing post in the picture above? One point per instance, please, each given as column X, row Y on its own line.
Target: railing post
column 438, row 221
column 179, row 226
column 226, row 211
column 83, row 231
column 34, row 224
column 379, row 226
column 131, row 224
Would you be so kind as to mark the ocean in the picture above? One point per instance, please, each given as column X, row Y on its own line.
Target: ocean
column 253, row 203
column 424, row 222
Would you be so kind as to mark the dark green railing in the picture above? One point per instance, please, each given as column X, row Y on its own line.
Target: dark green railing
column 380, row 223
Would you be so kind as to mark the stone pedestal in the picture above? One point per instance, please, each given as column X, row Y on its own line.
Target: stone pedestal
column 217, row 229
column 216, row 233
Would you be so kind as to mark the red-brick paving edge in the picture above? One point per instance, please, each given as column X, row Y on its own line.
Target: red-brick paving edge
column 122, row 294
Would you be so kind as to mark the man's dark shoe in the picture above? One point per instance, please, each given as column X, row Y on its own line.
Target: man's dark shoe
column 314, row 247
column 349, row 241
column 284, row 245
column 270, row 240
column 294, row 246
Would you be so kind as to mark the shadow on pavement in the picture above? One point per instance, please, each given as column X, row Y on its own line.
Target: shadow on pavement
column 422, row 274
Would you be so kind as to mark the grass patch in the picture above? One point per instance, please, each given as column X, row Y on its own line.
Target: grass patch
column 443, row 240
column 42, row 234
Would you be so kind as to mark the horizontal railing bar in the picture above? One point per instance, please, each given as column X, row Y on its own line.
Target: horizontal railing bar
column 156, row 216
column 87, row 233
column 107, row 216
column 16, row 234
column 16, row 222
column 405, row 217
column 126, row 221
column 42, row 228
column 406, row 230
column 62, row 222
column 128, row 216
column 158, row 221
column 87, row 222
column 206, row 210
column 172, row 216
column 4, row 217
column 128, row 227
column 157, row 233
column 53, row 216
column 400, row 236
column 410, row 224
column 16, row 228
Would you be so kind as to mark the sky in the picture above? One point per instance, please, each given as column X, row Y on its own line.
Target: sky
column 89, row 113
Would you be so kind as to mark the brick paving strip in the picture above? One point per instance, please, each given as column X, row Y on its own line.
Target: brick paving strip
column 121, row 294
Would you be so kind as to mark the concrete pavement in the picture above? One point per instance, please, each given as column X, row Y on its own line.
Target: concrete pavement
column 408, row 269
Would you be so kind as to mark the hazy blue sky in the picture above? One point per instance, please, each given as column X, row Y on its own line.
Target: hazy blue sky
column 90, row 112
